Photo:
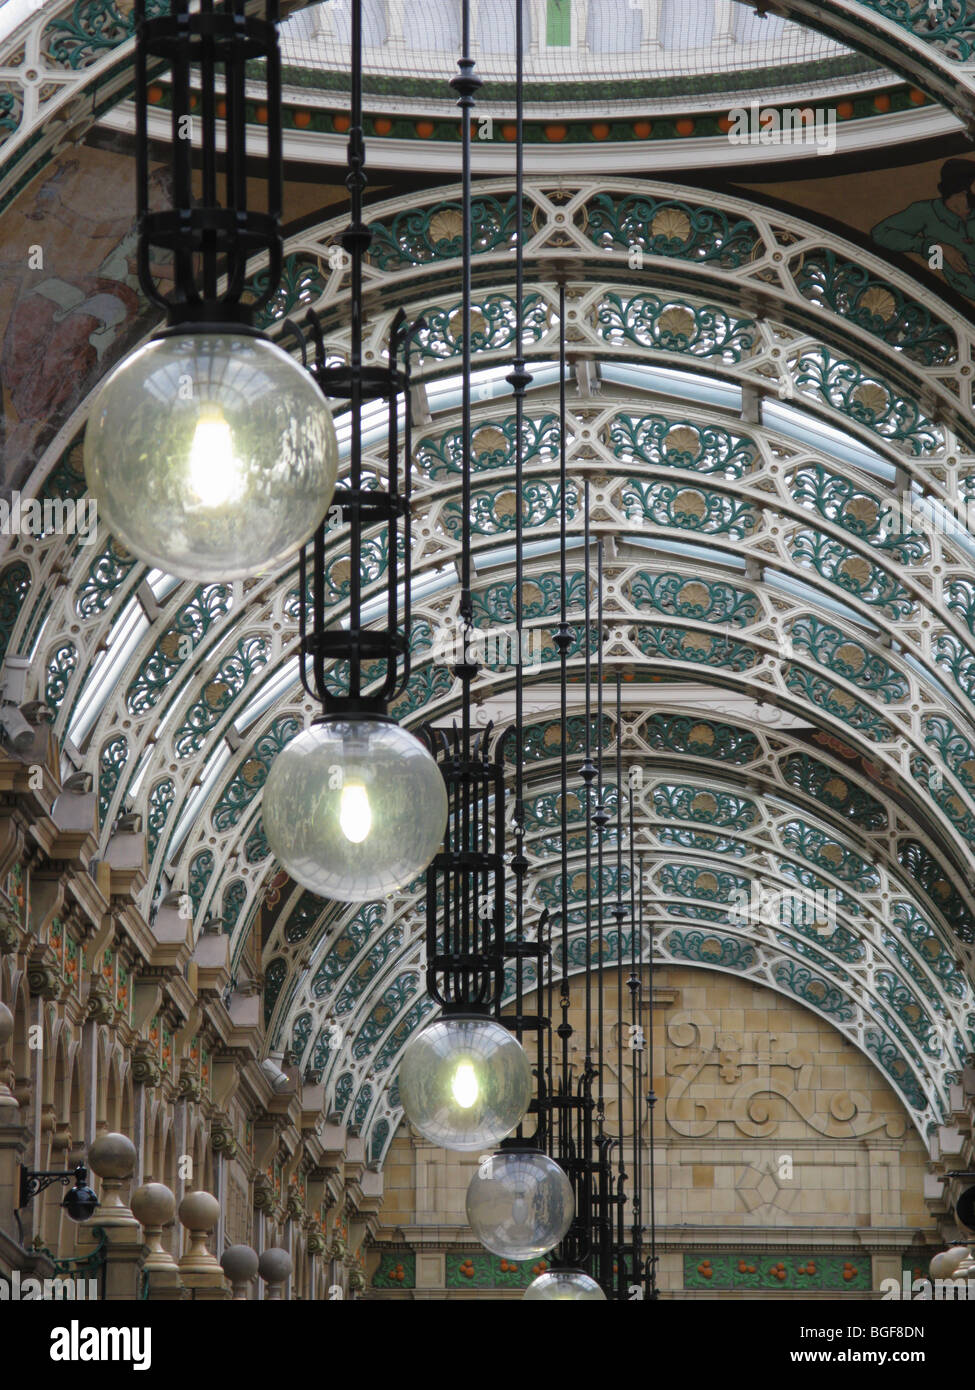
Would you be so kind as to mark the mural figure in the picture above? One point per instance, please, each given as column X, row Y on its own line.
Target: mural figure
column 946, row 222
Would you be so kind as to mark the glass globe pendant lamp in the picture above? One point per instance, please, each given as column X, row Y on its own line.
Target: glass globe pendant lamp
column 520, row 1204
column 211, row 455
column 465, row 1082
column 354, row 807
column 209, row 452
column 564, row 1285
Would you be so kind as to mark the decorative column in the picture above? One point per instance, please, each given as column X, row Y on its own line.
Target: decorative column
column 199, row 1270
column 112, row 1157
column 13, row 1134
column 154, row 1206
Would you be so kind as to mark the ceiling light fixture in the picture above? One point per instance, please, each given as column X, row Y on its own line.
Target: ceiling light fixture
column 210, row 452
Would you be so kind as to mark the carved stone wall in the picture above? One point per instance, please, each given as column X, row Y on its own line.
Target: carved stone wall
column 785, row 1163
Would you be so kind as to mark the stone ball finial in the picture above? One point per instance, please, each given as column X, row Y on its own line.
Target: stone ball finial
column 112, row 1156
column 6, row 1025
column 275, row 1265
column 199, row 1211
column 153, row 1204
column 240, row 1263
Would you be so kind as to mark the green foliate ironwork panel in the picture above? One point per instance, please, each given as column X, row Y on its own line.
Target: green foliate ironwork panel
column 343, row 1092
column 948, row 26
column 492, row 447
column 200, row 871
column 158, row 806
column 425, row 685
column 175, row 646
column 848, row 658
column 303, row 917
column 367, row 969
column 853, row 573
column 492, row 326
column 698, row 804
column 829, row 854
column 274, row 978
column 345, row 948
column 111, row 765
column 61, row 665
column 925, row 772
column 373, row 562
column 858, row 295
column 383, row 1014
column 687, row 508
column 812, row 989
column 399, row 1036
column 421, row 235
column 15, row 582
column 707, row 948
column 396, row 1271
column 799, row 873
column 670, row 227
column 219, row 693
column 840, row 943
column 700, row 648
column 701, row 737
column 607, row 885
column 765, row 1269
column 691, row 881
column 613, row 943
column 937, row 884
column 545, row 740
column 682, row 596
column 300, row 1034
column 78, row 39
column 895, row 1065
column 840, row 704
column 662, row 442
column 252, row 773
column 810, row 953
column 929, row 946
column 361, row 1108
column 107, row 573
column 958, row 661
column 868, row 400
column 303, row 281
column 959, row 595
column 481, row 1270
column 674, row 325
column 234, row 897
column 256, row 846
column 825, row 784
column 694, row 840
column 495, row 513
column 841, row 501
column 909, row 1010
column 541, row 597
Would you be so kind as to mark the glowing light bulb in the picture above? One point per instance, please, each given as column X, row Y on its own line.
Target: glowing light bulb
column 464, row 1086
column 355, row 813
column 214, row 470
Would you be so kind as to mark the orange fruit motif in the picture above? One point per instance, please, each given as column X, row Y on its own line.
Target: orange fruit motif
column 685, row 126
column 221, row 110
column 725, row 123
column 844, row 110
column 154, row 95
column 881, row 102
column 424, row 129
column 341, row 124
column 262, row 115
column 302, row 119
column 509, row 132
column 916, row 97
column 382, row 125
column 599, row 131
column 555, row 133
column 642, row 130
